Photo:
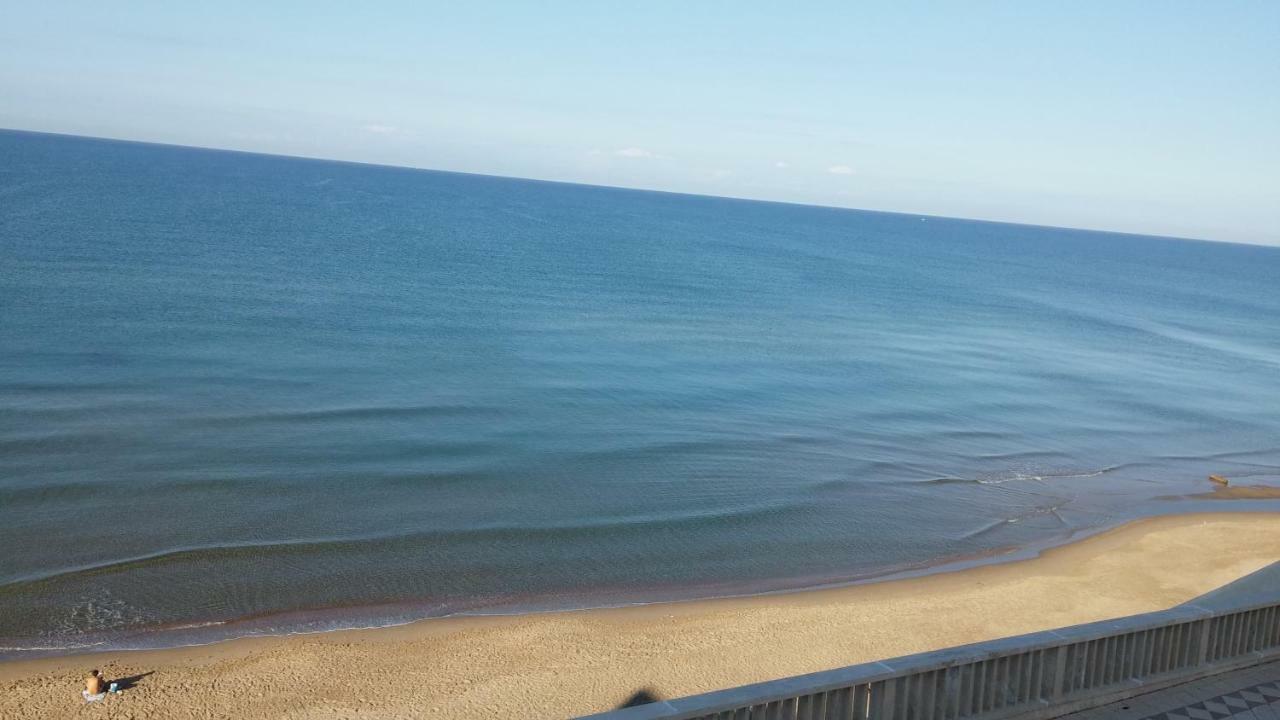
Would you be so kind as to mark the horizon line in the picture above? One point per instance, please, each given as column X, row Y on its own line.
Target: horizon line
column 418, row 168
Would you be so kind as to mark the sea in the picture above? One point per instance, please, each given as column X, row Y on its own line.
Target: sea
column 244, row 394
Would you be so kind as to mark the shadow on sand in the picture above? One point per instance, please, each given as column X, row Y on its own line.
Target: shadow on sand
column 643, row 696
column 127, row 683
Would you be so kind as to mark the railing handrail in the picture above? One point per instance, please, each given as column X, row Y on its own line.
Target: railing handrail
column 867, row 675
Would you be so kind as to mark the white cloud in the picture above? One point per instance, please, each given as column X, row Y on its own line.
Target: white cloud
column 781, row 164
column 377, row 129
column 721, row 173
column 260, row 136
column 840, row 170
column 634, row 152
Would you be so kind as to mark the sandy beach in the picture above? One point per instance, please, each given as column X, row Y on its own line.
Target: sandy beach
column 560, row 665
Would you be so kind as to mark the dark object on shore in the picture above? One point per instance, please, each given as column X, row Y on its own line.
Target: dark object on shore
column 1220, row 480
column 126, row 683
column 643, row 696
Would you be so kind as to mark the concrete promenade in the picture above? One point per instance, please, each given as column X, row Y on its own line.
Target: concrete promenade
column 1251, row 693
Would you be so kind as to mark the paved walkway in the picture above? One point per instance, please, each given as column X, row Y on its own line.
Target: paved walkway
column 1249, row 694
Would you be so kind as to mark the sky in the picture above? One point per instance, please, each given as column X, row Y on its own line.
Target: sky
column 1148, row 117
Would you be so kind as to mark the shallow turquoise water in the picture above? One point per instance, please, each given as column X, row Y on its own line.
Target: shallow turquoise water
column 309, row 394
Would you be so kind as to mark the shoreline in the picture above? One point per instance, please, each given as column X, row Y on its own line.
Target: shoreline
column 307, row 622
column 658, row 596
column 564, row 663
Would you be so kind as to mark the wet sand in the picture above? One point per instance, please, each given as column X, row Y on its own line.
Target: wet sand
column 559, row 665
column 1242, row 492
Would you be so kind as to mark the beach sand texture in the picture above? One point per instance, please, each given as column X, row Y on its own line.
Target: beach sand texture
column 560, row 665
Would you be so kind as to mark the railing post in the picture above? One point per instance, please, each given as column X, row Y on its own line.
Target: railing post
column 888, row 696
column 1059, row 671
column 1202, row 652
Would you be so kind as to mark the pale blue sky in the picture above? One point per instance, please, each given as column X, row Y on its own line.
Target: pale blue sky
column 1152, row 117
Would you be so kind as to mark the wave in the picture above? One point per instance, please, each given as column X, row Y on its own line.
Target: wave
column 325, row 415
column 1228, row 455
column 197, row 625
column 1024, row 476
column 1024, row 456
column 1269, row 472
column 971, row 435
column 64, row 387
column 995, row 525
column 1046, row 476
column 568, row 532
column 720, row 448
column 987, row 529
column 51, row 648
column 83, row 491
column 1153, row 330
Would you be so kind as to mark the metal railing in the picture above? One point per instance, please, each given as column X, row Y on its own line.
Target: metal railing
column 1040, row 675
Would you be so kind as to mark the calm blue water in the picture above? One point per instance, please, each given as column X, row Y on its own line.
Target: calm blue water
column 280, row 393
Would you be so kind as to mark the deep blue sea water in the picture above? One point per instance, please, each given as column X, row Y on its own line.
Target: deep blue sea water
column 243, row 393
